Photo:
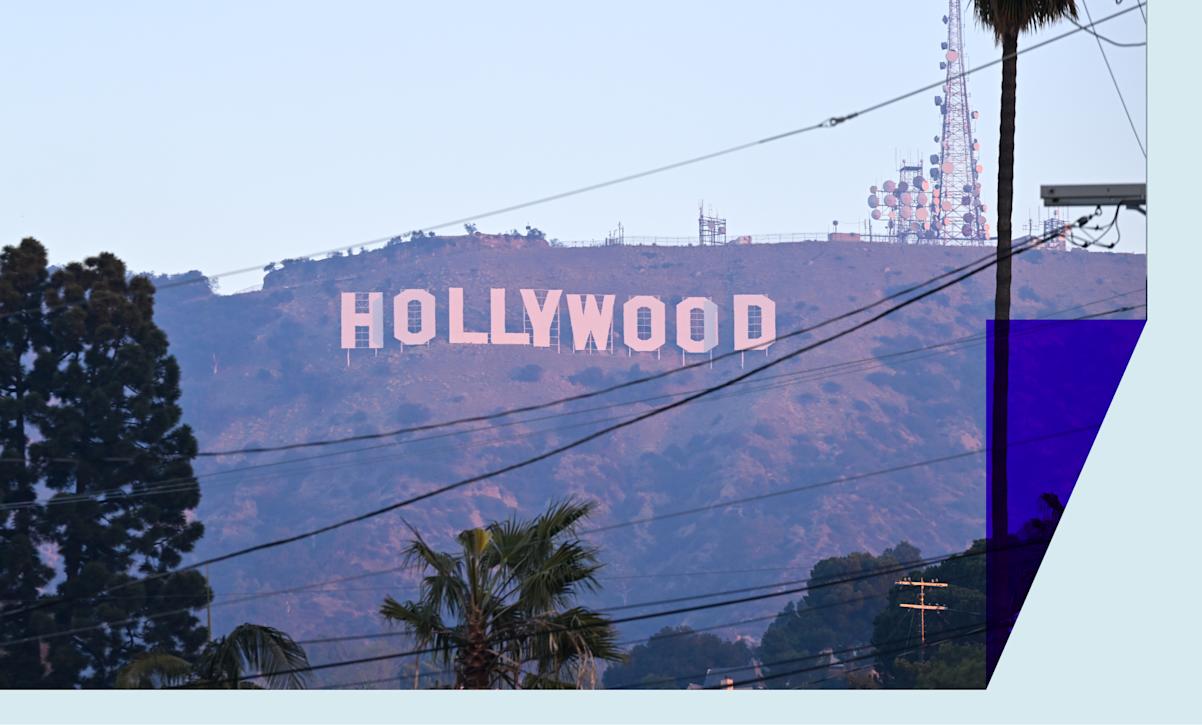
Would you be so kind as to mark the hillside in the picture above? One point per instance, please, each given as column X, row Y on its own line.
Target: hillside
column 265, row 368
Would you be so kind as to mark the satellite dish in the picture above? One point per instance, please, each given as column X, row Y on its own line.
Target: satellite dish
column 942, row 65
column 917, row 182
column 902, row 186
column 890, row 200
column 976, row 115
column 921, row 214
column 872, row 201
column 947, row 167
column 907, row 199
column 952, row 55
column 876, row 213
column 946, row 205
column 943, row 46
column 967, row 189
column 984, row 207
column 977, row 188
column 936, row 141
column 980, row 168
column 922, row 198
column 966, row 201
column 966, row 231
column 892, row 215
column 976, row 146
column 872, row 189
column 890, row 186
column 905, row 212
column 968, row 218
column 934, row 173
column 934, row 158
column 938, row 100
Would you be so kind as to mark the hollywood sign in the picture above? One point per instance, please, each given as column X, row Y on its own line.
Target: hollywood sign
column 644, row 320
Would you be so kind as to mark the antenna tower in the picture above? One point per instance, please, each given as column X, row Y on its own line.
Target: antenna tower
column 958, row 211
column 711, row 229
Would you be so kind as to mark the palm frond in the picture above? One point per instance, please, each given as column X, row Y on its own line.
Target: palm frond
column 507, row 595
column 1021, row 16
column 152, row 670
column 254, row 649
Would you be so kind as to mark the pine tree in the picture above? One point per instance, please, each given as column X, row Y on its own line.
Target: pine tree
column 118, row 459
column 23, row 337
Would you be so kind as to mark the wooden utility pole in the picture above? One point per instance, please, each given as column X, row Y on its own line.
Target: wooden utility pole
column 922, row 605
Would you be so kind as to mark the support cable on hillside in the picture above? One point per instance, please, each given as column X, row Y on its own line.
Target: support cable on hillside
column 810, row 585
column 830, row 122
column 877, row 572
column 559, row 450
column 1030, row 242
column 785, row 380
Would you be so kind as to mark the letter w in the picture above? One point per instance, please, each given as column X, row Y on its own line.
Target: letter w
column 588, row 321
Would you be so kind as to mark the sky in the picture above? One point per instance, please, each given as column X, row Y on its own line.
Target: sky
column 223, row 135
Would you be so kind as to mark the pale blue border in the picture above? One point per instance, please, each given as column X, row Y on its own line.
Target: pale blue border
column 1109, row 632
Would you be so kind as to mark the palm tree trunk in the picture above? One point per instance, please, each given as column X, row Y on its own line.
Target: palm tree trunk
column 999, row 517
column 476, row 660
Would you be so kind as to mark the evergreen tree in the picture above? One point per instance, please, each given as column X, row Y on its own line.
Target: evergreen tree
column 675, row 657
column 23, row 336
column 835, row 616
column 110, row 436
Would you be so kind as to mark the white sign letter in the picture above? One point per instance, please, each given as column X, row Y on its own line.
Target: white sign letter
column 458, row 335
column 656, row 321
column 402, row 319
column 755, row 322
column 707, row 311
column 588, row 321
column 541, row 317
column 496, row 311
column 362, row 309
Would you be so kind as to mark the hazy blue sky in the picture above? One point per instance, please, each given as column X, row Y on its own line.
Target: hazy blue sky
column 220, row 135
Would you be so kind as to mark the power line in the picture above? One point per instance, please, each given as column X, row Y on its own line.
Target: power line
column 283, row 541
column 680, row 610
column 402, row 633
column 624, row 620
column 186, row 483
column 776, row 663
column 802, row 376
column 684, row 631
column 675, row 514
column 189, row 482
column 967, row 631
column 1115, row 80
column 829, row 482
column 1099, row 36
column 830, row 122
column 600, row 391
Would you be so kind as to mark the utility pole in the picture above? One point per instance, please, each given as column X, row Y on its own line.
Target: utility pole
column 922, row 605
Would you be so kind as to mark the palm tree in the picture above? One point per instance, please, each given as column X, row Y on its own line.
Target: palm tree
column 1007, row 19
column 224, row 662
column 501, row 608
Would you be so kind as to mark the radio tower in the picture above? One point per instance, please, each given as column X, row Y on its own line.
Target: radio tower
column 958, row 213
